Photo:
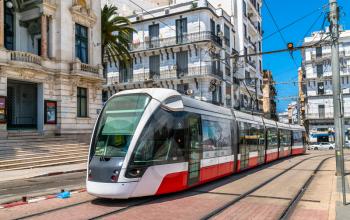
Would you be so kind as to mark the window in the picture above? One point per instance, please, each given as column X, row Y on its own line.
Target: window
column 321, row 111
column 319, row 70
column 182, row 63
column 181, row 30
column 318, row 51
column 212, row 26
column 320, row 88
column 117, row 124
column 162, row 140
column 272, row 138
column 81, row 43
column 153, row 35
column 81, row 102
column 154, row 66
column 342, row 80
column 125, row 71
column 245, row 31
column 244, row 8
column 227, row 35
column 259, row 46
column 9, row 29
column 297, row 138
column 245, row 54
column 216, row 138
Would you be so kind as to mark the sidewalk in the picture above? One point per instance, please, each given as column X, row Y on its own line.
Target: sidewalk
column 41, row 171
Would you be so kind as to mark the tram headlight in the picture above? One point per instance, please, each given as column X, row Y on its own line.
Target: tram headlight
column 135, row 172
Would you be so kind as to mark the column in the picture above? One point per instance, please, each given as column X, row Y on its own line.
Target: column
column 43, row 36
column 2, row 30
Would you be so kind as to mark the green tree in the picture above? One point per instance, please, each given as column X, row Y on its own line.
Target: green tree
column 116, row 36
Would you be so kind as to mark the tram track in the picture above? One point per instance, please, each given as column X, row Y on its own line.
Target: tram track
column 293, row 201
column 147, row 200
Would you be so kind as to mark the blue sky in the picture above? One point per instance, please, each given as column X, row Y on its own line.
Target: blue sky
column 285, row 12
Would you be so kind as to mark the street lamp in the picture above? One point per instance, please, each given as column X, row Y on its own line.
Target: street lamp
column 9, row 4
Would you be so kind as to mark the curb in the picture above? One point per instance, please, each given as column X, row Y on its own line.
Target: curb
column 58, row 173
column 26, row 200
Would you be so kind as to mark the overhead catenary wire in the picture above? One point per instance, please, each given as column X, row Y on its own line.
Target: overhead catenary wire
column 279, row 31
column 143, row 9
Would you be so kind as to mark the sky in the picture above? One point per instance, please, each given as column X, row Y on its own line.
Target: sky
column 283, row 68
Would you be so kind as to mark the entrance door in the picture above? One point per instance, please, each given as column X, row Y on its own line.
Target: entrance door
column 194, row 134
column 22, row 105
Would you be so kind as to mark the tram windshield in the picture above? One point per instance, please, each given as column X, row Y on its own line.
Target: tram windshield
column 117, row 124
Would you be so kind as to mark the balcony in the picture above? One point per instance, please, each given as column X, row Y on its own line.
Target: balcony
column 253, row 6
column 33, row 61
column 169, row 74
column 176, row 40
column 254, row 25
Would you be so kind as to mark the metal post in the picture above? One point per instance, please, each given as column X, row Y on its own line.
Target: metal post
column 337, row 96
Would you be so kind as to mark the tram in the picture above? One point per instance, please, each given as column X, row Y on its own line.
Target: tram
column 156, row 141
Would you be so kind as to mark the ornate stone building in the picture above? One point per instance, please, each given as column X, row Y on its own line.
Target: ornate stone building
column 269, row 96
column 50, row 65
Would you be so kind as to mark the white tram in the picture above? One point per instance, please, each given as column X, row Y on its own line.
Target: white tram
column 155, row 141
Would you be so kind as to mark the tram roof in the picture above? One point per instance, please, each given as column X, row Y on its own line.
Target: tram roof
column 194, row 103
column 160, row 94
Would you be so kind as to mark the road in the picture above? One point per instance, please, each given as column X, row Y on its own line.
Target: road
column 284, row 179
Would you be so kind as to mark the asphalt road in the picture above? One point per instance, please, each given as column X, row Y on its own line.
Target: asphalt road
column 15, row 189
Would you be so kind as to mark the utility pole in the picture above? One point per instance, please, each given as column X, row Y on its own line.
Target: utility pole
column 338, row 107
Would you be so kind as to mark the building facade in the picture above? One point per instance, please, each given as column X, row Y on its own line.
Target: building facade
column 269, row 96
column 317, row 81
column 186, row 47
column 214, row 30
column 50, row 65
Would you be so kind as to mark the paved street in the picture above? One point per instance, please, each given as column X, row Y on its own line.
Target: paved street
column 269, row 200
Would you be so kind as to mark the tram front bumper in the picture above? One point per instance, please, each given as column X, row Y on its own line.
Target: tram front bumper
column 111, row 190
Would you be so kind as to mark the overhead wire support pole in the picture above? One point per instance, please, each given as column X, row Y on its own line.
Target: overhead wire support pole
column 338, row 107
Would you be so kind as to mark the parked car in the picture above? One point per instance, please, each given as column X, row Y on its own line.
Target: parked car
column 347, row 144
column 322, row 146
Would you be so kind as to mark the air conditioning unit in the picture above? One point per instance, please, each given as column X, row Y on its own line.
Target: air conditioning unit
column 139, row 17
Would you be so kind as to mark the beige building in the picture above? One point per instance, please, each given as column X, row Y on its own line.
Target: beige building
column 269, row 96
column 50, row 65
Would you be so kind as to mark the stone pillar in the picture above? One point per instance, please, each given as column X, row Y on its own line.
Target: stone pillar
column 43, row 36
column 2, row 29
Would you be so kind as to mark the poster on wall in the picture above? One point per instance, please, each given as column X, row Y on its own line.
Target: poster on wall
column 50, row 112
column 2, row 109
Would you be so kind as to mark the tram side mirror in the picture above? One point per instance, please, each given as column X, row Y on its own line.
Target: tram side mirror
column 175, row 106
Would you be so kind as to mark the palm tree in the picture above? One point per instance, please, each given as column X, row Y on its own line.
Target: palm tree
column 116, row 36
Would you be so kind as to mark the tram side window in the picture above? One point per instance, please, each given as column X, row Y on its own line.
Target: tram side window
column 243, row 132
column 285, row 138
column 216, row 139
column 252, row 137
column 272, row 140
column 162, row 139
column 261, row 137
column 297, row 138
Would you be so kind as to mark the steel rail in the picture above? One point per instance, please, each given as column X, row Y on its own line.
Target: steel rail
column 247, row 193
column 288, row 211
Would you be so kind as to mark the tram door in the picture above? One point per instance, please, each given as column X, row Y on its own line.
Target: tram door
column 194, row 152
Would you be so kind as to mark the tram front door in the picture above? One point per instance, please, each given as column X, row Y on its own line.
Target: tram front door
column 194, row 143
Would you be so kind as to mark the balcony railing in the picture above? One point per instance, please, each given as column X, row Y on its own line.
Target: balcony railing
column 90, row 68
column 176, row 40
column 25, row 57
column 35, row 61
column 167, row 74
